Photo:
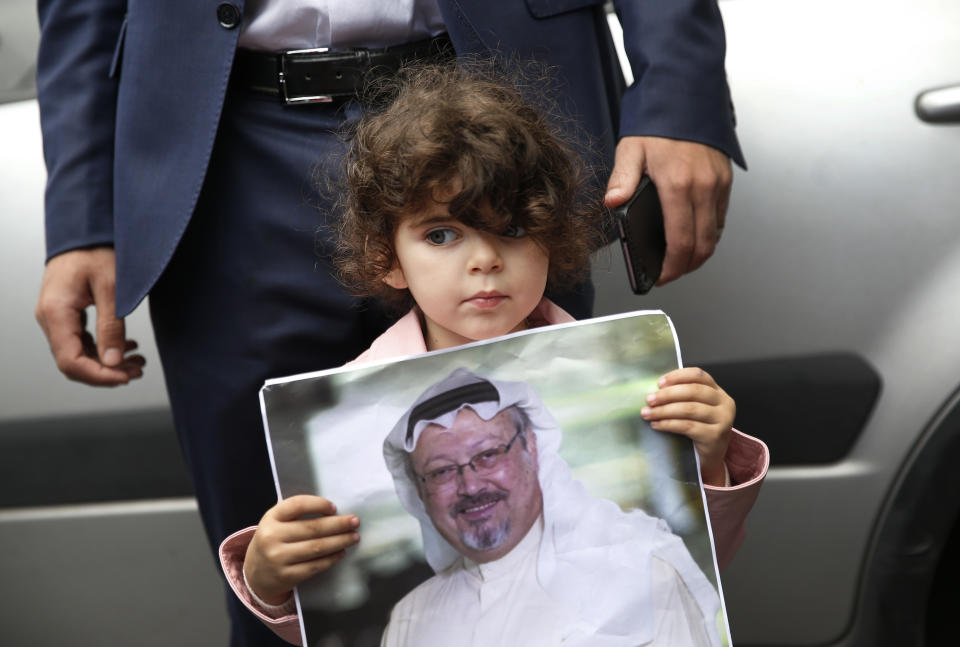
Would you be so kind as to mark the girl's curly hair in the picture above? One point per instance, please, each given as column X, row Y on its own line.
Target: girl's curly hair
column 434, row 128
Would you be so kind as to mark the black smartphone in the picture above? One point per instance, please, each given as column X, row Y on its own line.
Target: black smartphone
column 640, row 223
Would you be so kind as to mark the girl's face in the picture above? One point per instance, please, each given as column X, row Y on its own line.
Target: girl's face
column 470, row 284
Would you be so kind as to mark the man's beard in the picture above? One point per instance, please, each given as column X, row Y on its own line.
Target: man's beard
column 487, row 534
column 486, row 537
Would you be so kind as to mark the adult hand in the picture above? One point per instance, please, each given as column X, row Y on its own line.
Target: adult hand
column 693, row 181
column 73, row 281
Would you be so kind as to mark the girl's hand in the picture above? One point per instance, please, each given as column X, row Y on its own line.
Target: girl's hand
column 690, row 403
column 286, row 549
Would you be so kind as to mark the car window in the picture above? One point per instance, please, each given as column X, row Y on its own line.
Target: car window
column 19, row 37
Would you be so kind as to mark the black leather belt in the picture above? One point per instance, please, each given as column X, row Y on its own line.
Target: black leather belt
column 323, row 76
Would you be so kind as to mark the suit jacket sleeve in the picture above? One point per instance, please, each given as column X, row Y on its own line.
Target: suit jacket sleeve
column 77, row 97
column 676, row 50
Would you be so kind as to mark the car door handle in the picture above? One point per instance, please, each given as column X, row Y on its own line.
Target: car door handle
column 939, row 105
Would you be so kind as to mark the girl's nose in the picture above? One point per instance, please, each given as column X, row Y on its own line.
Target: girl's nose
column 485, row 254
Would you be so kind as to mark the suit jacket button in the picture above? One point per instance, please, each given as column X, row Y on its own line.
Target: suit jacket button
column 228, row 15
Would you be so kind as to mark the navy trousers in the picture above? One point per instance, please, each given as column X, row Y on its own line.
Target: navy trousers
column 249, row 296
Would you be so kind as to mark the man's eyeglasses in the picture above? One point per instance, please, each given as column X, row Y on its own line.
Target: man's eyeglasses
column 483, row 463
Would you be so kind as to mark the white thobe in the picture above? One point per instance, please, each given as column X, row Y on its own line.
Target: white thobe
column 502, row 603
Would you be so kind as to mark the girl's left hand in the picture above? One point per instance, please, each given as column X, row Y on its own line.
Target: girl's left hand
column 690, row 403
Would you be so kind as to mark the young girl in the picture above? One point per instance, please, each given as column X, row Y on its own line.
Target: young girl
column 462, row 205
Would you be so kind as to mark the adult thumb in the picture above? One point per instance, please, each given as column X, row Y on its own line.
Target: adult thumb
column 628, row 166
column 111, row 331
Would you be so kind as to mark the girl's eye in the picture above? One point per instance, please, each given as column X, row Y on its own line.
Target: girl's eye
column 514, row 231
column 441, row 236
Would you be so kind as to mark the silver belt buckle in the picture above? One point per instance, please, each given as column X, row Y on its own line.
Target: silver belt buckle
column 287, row 99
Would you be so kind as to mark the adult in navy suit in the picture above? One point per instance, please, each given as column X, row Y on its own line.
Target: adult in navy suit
column 164, row 179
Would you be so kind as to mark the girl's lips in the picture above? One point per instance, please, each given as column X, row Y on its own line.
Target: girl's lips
column 486, row 299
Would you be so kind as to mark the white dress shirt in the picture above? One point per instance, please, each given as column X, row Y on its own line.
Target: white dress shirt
column 279, row 25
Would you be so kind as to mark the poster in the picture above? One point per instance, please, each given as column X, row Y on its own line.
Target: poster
column 581, row 547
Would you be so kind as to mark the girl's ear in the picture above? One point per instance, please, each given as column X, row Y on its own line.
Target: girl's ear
column 396, row 279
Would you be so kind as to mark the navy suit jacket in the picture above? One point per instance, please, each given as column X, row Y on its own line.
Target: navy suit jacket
column 131, row 92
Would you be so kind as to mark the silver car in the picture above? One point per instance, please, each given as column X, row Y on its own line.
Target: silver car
column 829, row 311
